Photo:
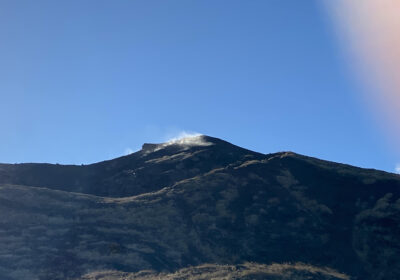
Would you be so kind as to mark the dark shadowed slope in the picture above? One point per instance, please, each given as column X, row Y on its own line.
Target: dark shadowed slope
column 150, row 169
column 171, row 206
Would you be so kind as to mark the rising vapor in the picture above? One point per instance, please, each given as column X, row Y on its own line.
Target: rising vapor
column 187, row 139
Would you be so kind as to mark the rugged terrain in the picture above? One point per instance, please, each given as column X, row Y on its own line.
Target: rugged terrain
column 248, row 271
column 196, row 206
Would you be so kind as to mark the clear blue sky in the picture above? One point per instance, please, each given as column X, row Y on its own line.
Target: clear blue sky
column 82, row 81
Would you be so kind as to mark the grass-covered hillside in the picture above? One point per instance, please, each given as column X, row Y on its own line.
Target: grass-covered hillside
column 173, row 207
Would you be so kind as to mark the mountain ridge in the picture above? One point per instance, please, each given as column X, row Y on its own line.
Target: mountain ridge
column 82, row 172
column 179, row 205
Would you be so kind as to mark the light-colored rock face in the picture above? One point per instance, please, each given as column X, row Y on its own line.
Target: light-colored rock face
column 216, row 204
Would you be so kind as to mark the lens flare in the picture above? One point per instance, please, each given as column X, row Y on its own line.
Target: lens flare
column 370, row 30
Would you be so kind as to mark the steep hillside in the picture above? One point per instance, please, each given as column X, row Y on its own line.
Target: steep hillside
column 183, row 204
column 150, row 169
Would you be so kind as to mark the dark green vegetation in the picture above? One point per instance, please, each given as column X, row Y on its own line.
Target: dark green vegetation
column 168, row 207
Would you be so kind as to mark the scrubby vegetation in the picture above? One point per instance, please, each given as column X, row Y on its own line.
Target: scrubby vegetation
column 247, row 271
column 217, row 204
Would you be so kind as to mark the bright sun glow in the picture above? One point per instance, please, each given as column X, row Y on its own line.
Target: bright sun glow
column 370, row 31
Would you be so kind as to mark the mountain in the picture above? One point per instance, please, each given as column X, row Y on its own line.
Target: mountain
column 197, row 207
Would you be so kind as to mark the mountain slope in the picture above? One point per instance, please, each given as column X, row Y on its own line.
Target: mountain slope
column 175, row 205
column 248, row 271
column 150, row 169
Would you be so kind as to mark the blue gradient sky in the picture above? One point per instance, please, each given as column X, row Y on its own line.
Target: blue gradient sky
column 83, row 81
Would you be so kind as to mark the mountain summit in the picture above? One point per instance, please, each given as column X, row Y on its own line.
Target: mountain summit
column 171, row 208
